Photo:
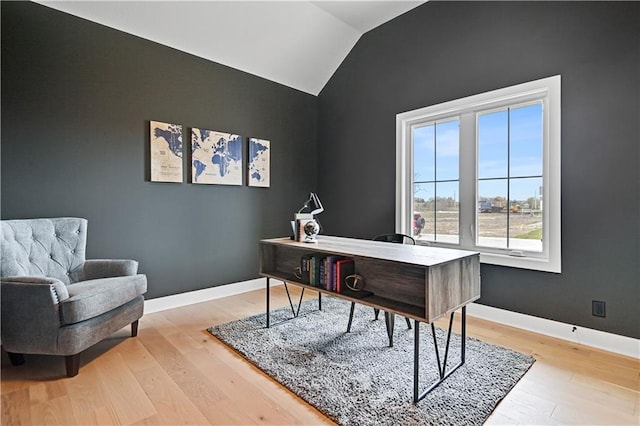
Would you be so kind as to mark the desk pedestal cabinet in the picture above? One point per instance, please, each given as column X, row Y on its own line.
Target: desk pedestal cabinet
column 418, row 282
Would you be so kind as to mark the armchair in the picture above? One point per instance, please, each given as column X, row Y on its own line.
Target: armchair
column 55, row 302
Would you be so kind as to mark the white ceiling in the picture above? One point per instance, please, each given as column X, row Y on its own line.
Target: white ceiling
column 296, row 43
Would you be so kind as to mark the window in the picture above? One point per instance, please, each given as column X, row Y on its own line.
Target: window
column 483, row 173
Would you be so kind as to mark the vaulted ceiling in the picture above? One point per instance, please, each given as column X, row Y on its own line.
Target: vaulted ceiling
column 296, row 43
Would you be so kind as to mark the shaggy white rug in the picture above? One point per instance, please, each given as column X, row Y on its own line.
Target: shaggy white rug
column 356, row 379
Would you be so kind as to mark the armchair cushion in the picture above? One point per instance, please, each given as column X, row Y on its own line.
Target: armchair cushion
column 88, row 299
column 105, row 268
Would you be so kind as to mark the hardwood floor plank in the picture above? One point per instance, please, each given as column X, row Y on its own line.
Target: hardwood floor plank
column 591, row 414
column 172, row 405
column 88, row 394
column 16, row 408
column 136, row 355
column 126, row 395
column 540, row 407
column 201, row 390
column 56, row 411
column 106, row 415
column 258, row 406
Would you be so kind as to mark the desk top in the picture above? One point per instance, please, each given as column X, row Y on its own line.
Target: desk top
column 402, row 253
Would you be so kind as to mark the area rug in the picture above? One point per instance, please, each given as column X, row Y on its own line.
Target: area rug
column 357, row 379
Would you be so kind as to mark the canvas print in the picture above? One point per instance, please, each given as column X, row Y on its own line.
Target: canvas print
column 166, row 152
column 216, row 157
column 259, row 162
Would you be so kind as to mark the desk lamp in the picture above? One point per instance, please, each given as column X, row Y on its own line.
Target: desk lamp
column 305, row 226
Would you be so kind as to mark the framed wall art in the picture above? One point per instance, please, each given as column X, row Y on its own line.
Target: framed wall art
column 259, row 162
column 216, row 157
column 166, row 152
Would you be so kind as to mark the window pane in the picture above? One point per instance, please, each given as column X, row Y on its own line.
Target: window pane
column 424, row 153
column 493, row 139
column 447, row 216
column 525, row 151
column 492, row 216
column 424, row 211
column 525, row 215
column 447, row 150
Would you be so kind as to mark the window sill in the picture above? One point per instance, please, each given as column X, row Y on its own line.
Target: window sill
column 532, row 263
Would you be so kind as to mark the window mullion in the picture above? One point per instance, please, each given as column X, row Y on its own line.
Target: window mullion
column 468, row 183
column 508, row 177
column 404, row 179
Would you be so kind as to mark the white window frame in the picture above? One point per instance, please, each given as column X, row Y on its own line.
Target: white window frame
column 545, row 90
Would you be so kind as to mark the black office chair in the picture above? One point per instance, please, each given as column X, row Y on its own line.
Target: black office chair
column 389, row 317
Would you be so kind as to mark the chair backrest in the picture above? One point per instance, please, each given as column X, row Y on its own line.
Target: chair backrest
column 395, row 238
column 43, row 247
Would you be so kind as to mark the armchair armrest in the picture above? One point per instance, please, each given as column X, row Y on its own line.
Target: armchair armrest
column 107, row 268
column 30, row 313
column 27, row 285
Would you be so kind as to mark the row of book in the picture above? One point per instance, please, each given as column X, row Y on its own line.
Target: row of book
column 326, row 271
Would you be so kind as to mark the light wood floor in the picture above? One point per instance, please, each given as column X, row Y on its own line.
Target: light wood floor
column 174, row 373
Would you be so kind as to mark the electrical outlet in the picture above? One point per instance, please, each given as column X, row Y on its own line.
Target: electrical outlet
column 598, row 308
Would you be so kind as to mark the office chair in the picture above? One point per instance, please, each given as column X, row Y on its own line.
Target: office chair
column 389, row 317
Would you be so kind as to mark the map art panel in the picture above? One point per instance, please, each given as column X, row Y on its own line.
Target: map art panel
column 216, row 157
column 259, row 162
column 166, row 152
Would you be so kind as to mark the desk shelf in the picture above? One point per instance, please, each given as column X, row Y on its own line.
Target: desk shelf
column 375, row 301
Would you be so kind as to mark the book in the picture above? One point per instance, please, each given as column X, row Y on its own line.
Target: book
column 322, row 282
column 305, row 268
column 330, row 267
column 316, row 261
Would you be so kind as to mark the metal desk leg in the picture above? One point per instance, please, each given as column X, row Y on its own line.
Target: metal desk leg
column 416, row 358
column 389, row 320
column 267, row 302
column 294, row 311
column 353, row 305
column 442, row 367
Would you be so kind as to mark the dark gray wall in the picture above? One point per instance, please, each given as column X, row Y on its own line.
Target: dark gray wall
column 446, row 50
column 77, row 98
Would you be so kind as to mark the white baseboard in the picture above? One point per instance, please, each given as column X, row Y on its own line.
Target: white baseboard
column 585, row 336
column 197, row 296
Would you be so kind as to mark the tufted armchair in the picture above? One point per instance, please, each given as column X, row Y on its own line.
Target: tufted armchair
column 54, row 301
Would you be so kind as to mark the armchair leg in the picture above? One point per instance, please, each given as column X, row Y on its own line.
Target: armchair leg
column 73, row 364
column 134, row 328
column 408, row 323
column 376, row 312
column 15, row 359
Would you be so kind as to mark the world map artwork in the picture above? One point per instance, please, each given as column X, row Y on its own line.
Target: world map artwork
column 216, row 157
column 259, row 162
column 166, row 152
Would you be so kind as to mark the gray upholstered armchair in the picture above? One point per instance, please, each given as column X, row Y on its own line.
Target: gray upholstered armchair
column 53, row 300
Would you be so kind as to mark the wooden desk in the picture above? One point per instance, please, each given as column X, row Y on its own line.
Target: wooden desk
column 418, row 282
